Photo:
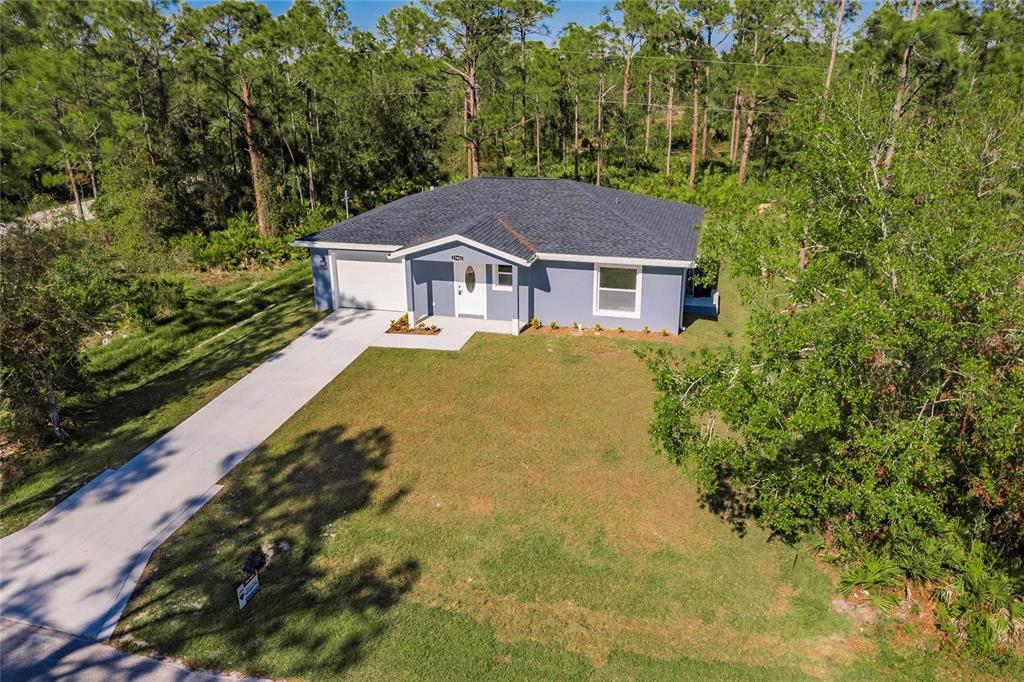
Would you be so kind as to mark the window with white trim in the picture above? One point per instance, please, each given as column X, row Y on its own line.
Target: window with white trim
column 502, row 277
column 617, row 290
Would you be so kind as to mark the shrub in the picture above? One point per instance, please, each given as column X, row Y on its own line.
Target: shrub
column 597, row 327
column 239, row 246
column 535, row 322
column 644, row 330
column 553, row 325
column 400, row 325
column 871, row 572
column 619, row 329
column 664, row 332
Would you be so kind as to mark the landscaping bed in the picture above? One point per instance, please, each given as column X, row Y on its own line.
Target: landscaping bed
column 401, row 326
column 662, row 335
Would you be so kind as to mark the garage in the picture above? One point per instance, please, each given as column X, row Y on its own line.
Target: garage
column 376, row 285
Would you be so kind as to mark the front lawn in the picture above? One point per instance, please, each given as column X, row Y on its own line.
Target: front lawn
column 494, row 512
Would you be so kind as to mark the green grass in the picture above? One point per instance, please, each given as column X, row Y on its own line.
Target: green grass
column 150, row 382
column 494, row 512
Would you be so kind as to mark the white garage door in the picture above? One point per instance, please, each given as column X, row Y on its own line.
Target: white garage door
column 379, row 286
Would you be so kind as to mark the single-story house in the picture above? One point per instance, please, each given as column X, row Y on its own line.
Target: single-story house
column 512, row 249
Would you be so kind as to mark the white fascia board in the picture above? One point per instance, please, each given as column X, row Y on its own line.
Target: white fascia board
column 606, row 260
column 344, row 245
column 462, row 240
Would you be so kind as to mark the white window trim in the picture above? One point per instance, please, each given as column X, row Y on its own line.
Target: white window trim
column 597, row 281
column 494, row 278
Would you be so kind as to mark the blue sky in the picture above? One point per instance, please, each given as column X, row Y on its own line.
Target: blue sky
column 364, row 13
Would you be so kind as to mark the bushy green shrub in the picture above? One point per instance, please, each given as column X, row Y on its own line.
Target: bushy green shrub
column 239, row 246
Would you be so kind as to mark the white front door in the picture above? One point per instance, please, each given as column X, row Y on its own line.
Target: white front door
column 470, row 289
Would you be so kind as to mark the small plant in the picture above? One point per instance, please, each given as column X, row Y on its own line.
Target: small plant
column 554, row 325
column 421, row 325
column 597, row 327
column 870, row 573
column 535, row 322
column 576, row 326
column 645, row 330
column 619, row 329
column 434, row 328
column 401, row 325
column 664, row 332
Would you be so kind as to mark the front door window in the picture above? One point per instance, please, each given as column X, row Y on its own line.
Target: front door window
column 470, row 299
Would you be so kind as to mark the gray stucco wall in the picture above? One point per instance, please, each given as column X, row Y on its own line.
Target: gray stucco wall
column 433, row 287
column 445, row 252
column 564, row 292
column 321, row 279
column 499, row 303
column 550, row 290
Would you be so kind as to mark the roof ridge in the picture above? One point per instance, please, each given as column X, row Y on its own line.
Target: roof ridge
column 504, row 224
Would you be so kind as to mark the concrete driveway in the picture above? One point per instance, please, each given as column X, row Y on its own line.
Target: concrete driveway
column 75, row 568
column 34, row 654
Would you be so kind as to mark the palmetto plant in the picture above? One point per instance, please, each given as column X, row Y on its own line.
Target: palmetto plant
column 979, row 605
column 870, row 572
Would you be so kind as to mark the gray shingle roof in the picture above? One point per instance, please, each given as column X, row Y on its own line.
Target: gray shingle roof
column 525, row 216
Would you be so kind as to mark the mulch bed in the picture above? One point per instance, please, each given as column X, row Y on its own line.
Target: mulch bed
column 606, row 333
column 421, row 332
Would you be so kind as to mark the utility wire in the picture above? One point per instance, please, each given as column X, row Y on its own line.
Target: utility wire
column 685, row 105
column 769, row 65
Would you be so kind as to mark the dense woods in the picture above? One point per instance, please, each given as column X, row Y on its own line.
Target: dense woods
column 869, row 183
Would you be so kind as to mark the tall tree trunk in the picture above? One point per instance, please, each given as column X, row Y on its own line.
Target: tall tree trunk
column 625, row 81
column 835, row 46
column 472, row 111
column 536, row 132
column 249, row 120
column 901, row 93
column 54, row 413
column 92, row 174
column 576, row 136
column 748, row 140
column 647, row 119
column 600, row 130
column 75, row 191
column 751, row 102
column 522, row 101
column 309, row 149
column 668, row 130
column 694, row 137
column 704, row 125
column 734, row 131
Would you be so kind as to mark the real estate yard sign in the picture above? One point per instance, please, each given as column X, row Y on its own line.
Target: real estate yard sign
column 248, row 589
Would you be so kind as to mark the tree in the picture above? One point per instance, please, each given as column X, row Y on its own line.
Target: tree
column 763, row 28
column 229, row 43
column 463, row 31
column 56, row 287
column 881, row 403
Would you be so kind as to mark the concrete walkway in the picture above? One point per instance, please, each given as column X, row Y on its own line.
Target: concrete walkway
column 75, row 568
column 29, row 653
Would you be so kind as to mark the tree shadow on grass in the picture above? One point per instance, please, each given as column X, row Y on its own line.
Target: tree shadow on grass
column 117, row 425
column 317, row 613
column 729, row 502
